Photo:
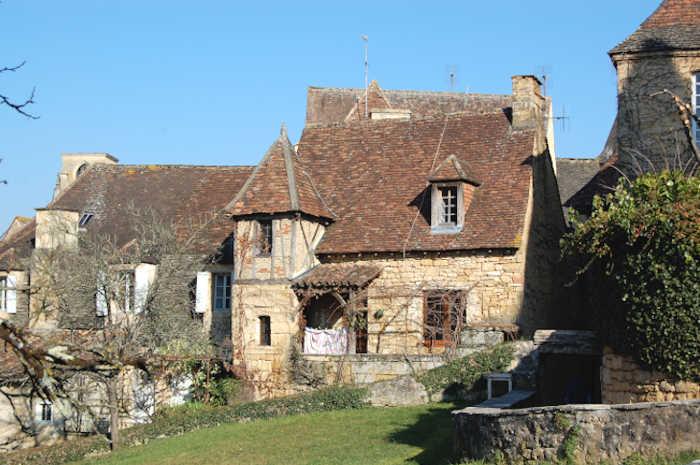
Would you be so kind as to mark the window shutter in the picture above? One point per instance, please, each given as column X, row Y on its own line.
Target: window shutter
column 143, row 278
column 203, row 292
column 101, row 308
column 11, row 294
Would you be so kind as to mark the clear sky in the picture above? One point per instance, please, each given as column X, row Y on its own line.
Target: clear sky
column 209, row 82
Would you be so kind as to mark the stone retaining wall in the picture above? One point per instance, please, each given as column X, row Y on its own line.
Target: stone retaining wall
column 591, row 433
column 623, row 381
column 363, row 369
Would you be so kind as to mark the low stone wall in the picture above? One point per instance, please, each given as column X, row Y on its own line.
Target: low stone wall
column 363, row 369
column 624, row 381
column 581, row 433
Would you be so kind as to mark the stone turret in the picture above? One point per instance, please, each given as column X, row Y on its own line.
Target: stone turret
column 73, row 165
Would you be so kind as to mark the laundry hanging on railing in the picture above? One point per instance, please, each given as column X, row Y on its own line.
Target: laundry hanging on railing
column 325, row 341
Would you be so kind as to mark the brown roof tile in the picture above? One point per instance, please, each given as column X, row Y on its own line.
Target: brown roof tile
column 373, row 175
column 188, row 195
column 452, row 169
column 675, row 25
column 338, row 274
column 333, row 105
column 279, row 184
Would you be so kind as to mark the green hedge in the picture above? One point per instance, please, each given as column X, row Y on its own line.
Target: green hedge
column 466, row 371
column 188, row 417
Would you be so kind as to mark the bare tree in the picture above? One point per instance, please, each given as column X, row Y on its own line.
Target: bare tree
column 121, row 307
column 20, row 106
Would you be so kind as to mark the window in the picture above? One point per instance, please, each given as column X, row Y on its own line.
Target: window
column 222, row 291
column 696, row 105
column 3, row 294
column 46, row 412
column 85, row 219
column 81, row 169
column 265, row 331
column 447, row 208
column 445, row 316
column 448, row 205
column 263, row 246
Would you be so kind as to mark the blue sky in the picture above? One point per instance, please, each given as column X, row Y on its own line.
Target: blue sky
column 209, row 82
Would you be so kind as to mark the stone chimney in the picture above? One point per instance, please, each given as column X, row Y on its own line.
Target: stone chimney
column 528, row 103
column 73, row 164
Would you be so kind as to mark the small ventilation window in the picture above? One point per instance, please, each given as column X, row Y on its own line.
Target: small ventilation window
column 85, row 219
column 265, row 331
column 81, row 169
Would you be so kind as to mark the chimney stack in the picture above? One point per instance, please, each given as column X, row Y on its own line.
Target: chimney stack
column 528, row 103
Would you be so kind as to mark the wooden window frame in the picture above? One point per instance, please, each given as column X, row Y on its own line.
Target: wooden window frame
column 449, row 327
column 46, row 414
column 3, row 293
column 265, row 327
column 264, row 238
column 226, row 297
column 696, row 105
column 437, row 223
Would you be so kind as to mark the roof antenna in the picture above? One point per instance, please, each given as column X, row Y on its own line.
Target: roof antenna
column 544, row 76
column 365, row 39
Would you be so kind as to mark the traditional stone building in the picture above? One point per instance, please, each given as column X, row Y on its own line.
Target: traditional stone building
column 655, row 65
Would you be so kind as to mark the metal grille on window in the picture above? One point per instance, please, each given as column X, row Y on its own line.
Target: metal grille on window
column 222, row 291
column 448, row 215
column 46, row 413
column 3, row 294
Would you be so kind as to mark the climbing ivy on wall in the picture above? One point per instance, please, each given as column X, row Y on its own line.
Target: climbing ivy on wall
column 640, row 250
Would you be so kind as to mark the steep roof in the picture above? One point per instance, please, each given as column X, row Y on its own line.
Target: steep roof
column 374, row 177
column 573, row 174
column 185, row 194
column 334, row 105
column 17, row 247
column 279, row 184
column 675, row 25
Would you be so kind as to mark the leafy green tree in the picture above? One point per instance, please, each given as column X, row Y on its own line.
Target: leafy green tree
column 641, row 251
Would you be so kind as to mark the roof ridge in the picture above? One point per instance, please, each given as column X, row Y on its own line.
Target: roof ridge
column 170, row 166
column 410, row 91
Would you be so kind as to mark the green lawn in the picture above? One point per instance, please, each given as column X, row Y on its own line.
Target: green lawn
column 411, row 435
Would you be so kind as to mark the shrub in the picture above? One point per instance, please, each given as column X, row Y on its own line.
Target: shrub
column 641, row 247
column 466, row 371
column 178, row 420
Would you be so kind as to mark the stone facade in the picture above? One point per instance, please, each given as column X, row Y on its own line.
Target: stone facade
column 649, row 126
column 624, row 381
column 590, row 433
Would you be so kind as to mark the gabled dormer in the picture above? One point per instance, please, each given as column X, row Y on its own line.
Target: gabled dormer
column 280, row 217
column 451, row 192
column 374, row 105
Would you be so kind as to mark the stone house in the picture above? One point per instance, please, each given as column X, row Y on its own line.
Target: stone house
column 659, row 61
column 380, row 236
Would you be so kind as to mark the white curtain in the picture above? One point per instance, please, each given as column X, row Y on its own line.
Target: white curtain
column 326, row 341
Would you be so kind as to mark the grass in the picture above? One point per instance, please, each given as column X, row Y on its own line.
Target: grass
column 410, row 436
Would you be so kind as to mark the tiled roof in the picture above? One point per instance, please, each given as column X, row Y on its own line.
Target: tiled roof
column 191, row 196
column 573, row 174
column 338, row 274
column 279, row 184
column 452, row 169
column 675, row 25
column 333, row 105
column 602, row 183
column 17, row 248
column 374, row 177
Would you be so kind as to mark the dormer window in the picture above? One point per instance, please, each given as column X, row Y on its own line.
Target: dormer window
column 447, row 208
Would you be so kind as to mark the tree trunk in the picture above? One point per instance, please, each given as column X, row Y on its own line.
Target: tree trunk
column 113, row 404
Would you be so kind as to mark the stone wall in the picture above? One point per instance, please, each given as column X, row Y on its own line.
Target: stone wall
column 363, row 369
column 623, row 380
column 648, row 122
column 590, row 433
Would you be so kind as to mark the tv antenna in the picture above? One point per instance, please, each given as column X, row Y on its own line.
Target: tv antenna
column 563, row 118
column 365, row 39
column 544, row 72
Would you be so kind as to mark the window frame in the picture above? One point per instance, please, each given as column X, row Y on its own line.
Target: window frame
column 450, row 327
column 265, row 330
column 438, row 225
column 85, row 219
column 696, row 105
column 226, row 288
column 3, row 293
column 127, row 290
column 264, row 238
column 45, row 412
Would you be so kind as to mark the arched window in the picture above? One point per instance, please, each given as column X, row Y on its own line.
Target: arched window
column 81, row 169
